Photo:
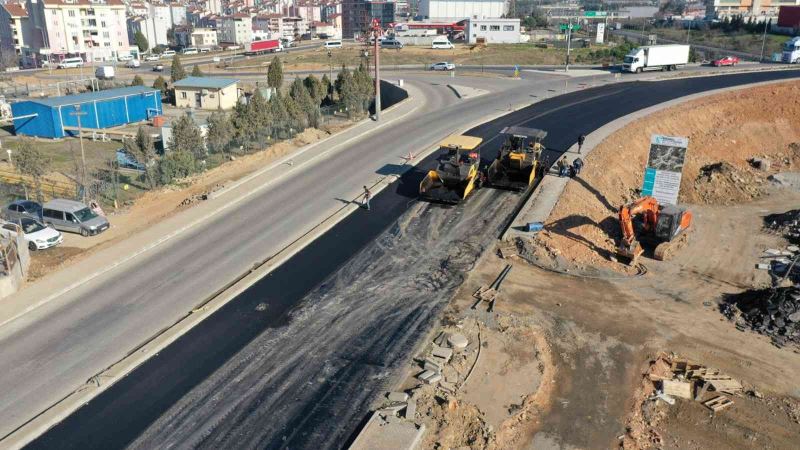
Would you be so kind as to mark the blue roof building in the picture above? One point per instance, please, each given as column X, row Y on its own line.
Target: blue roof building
column 56, row 117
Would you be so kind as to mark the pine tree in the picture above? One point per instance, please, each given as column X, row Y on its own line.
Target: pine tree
column 177, row 69
column 326, row 85
column 161, row 84
column 244, row 129
column 298, row 119
column 220, row 132
column 275, row 73
column 280, row 116
column 137, row 81
column 141, row 41
column 259, row 111
column 186, row 137
column 315, row 89
column 196, row 72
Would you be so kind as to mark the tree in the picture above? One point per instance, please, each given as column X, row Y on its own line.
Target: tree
column 275, row 73
column 31, row 161
column 281, row 121
column 161, row 84
column 326, row 85
column 365, row 86
column 315, row 88
column 138, row 81
column 178, row 73
column 143, row 150
column 141, row 41
column 186, row 137
column 310, row 108
column 176, row 164
column 220, row 132
column 196, row 72
column 259, row 112
column 298, row 119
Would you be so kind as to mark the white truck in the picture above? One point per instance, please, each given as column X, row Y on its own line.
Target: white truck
column 105, row 72
column 656, row 57
column 791, row 51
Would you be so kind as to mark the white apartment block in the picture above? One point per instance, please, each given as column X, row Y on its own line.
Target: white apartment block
column 236, row 29
column 177, row 14
column 143, row 25
column 161, row 16
column 95, row 31
column 214, row 6
column 204, row 37
column 747, row 8
column 15, row 32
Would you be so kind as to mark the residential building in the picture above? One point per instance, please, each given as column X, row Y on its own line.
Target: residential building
column 461, row 9
column 161, row 16
column 15, row 33
column 144, row 26
column 177, row 15
column 95, row 31
column 236, row 29
column 138, row 9
column 357, row 16
column 492, row 31
column 206, row 93
column 214, row 6
column 204, row 38
column 293, row 27
column 308, row 11
column 746, row 8
column 325, row 30
column 271, row 23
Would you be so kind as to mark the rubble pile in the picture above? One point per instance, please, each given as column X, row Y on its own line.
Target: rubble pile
column 771, row 312
column 725, row 184
column 787, row 224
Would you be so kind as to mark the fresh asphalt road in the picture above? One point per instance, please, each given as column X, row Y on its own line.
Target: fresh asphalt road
column 135, row 405
column 53, row 350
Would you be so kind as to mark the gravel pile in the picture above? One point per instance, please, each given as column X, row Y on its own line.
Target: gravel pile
column 771, row 312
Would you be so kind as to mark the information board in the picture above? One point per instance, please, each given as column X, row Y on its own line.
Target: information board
column 662, row 176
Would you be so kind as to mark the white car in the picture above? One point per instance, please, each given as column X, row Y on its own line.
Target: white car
column 152, row 58
column 132, row 64
column 443, row 66
column 125, row 57
column 38, row 235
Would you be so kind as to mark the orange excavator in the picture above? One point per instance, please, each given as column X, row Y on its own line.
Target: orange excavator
column 661, row 225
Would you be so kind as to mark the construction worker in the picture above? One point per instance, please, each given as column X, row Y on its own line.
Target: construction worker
column 581, row 140
column 367, row 196
column 577, row 164
column 563, row 167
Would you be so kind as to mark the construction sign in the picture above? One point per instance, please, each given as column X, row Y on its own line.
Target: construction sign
column 662, row 176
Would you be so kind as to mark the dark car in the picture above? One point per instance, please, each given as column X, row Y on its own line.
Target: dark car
column 22, row 208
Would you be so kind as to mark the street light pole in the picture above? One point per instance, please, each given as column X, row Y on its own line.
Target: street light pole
column 569, row 42
column 78, row 114
column 376, row 27
column 764, row 38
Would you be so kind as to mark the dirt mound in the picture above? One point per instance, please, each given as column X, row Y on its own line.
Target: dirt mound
column 726, row 133
column 722, row 183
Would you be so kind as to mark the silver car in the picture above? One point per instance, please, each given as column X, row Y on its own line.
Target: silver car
column 22, row 208
column 69, row 215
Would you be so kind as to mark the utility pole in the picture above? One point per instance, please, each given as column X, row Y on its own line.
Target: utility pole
column 569, row 42
column 78, row 114
column 376, row 28
column 764, row 38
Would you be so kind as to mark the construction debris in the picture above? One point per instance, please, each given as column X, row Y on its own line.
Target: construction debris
column 457, row 341
column 489, row 294
column 718, row 403
column 772, row 312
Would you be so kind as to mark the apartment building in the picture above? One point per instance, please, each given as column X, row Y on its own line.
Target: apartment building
column 357, row 16
column 746, row 8
column 235, row 29
column 95, row 30
column 15, row 32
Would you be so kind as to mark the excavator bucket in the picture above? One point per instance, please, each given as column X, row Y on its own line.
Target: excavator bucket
column 630, row 252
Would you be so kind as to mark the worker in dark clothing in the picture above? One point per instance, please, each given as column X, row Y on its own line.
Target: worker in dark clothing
column 581, row 140
column 577, row 164
column 367, row 196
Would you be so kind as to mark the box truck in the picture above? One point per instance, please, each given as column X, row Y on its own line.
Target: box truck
column 268, row 45
column 104, row 72
column 656, row 57
column 791, row 51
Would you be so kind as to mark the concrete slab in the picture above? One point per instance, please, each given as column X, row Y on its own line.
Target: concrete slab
column 380, row 434
column 397, row 397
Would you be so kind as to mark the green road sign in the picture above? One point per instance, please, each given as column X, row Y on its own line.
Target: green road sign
column 574, row 26
column 595, row 13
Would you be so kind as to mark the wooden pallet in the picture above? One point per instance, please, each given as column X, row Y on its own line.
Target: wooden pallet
column 718, row 403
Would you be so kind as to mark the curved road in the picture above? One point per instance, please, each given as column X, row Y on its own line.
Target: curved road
column 304, row 374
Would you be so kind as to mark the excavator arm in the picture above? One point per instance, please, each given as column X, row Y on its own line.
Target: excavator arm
column 648, row 208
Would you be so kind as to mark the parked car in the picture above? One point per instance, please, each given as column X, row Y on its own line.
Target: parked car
column 205, row 50
column 441, row 43
column 105, row 72
column 128, row 161
column 168, row 54
column 725, row 61
column 391, row 43
column 73, row 216
column 67, row 63
column 22, row 208
column 38, row 235
column 190, row 51
column 153, row 57
column 158, row 68
column 132, row 64
column 443, row 66
column 332, row 44
column 124, row 57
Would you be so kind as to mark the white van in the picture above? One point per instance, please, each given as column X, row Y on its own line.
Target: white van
column 190, row 51
column 333, row 44
column 66, row 63
column 105, row 72
column 441, row 42
column 168, row 54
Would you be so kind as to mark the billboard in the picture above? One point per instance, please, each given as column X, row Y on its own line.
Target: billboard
column 601, row 28
column 662, row 176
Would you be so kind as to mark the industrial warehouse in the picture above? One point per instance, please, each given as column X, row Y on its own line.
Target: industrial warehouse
column 56, row 117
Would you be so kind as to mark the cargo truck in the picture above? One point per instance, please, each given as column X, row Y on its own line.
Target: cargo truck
column 656, row 57
column 791, row 51
column 257, row 47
